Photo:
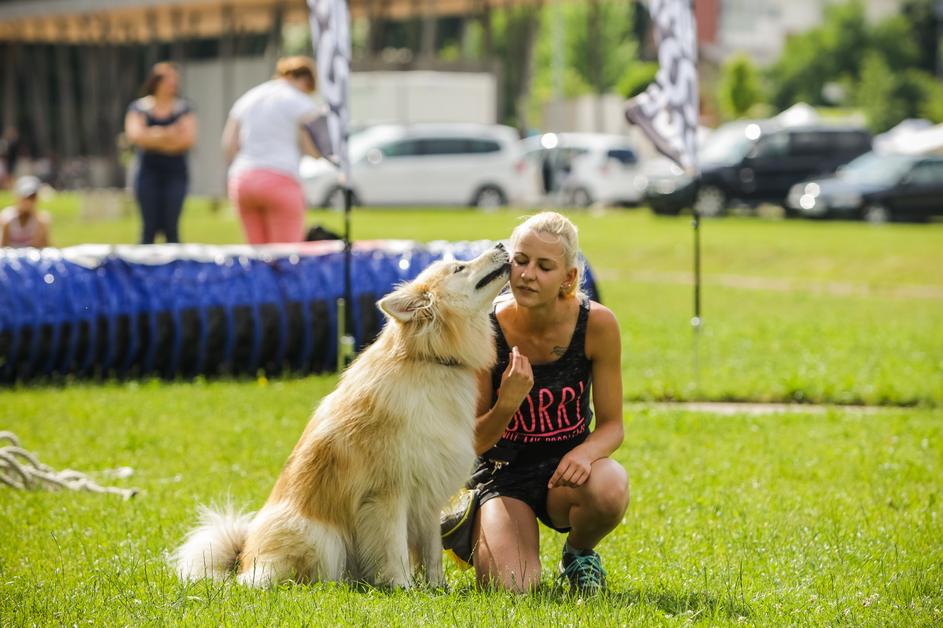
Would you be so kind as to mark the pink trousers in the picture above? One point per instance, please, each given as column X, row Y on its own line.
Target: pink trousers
column 271, row 206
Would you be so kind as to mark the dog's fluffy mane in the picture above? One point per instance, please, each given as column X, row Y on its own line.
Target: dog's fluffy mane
column 423, row 327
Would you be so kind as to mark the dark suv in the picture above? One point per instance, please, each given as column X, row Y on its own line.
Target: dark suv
column 877, row 188
column 756, row 162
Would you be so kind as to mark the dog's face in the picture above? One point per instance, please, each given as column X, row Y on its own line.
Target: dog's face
column 447, row 305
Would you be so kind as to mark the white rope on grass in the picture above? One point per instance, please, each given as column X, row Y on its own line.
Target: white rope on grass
column 21, row 469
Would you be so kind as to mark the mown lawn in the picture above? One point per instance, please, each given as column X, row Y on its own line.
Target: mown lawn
column 794, row 311
column 805, row 517
column 800, row 518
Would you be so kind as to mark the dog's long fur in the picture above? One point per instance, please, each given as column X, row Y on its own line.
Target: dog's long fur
column 359, row 497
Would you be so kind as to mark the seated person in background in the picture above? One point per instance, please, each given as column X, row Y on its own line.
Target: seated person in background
column 23, row 224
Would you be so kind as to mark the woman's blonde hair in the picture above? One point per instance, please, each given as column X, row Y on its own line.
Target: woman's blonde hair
column 297, row 67
column 565, row 231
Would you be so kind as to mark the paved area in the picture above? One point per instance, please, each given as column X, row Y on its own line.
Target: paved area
column 732, row 408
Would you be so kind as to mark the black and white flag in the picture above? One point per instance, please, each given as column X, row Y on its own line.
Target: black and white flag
column 668, row 110
column 330, row 37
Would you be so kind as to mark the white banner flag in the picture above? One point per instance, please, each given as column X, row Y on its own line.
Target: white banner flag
column 330, row 37
column 668, row 110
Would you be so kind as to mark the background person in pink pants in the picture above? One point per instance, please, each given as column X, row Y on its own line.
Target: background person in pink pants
column 263, row 141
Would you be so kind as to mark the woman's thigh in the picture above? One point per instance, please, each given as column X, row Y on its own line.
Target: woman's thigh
column 243, row 193
column 507, row 548
column 286, row 212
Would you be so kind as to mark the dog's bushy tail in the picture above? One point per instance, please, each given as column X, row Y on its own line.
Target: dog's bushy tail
column 212, row 549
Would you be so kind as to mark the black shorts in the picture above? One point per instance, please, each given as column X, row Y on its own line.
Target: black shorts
column 497, row 476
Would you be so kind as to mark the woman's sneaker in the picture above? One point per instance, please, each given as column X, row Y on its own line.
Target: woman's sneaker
column 583, row 571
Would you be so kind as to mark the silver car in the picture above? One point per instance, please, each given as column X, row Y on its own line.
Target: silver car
column 426, row 164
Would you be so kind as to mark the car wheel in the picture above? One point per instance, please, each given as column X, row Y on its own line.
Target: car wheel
column 876, row 214
column 710, row 201
column 580, row 197
column 489, row 197
column 791, row 213
column 335, row 199
column 664, row 209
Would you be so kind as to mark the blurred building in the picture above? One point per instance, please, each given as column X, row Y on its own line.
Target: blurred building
column 69, row 69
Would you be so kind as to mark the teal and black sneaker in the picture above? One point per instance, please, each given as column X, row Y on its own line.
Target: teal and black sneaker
column 583, row 571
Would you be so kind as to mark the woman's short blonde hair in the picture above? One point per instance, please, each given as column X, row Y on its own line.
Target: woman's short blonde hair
column 297, row 67
column 558, row 225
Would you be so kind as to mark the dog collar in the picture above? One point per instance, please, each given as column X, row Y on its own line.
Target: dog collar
column 447, row 361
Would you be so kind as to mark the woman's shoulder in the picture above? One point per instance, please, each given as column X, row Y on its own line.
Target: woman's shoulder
column 601, row 322
column 144, row 104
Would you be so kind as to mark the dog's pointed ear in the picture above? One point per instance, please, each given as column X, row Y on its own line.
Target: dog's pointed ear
column 403, row 304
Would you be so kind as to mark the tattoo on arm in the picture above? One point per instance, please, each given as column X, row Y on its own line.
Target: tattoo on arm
column 558, row 351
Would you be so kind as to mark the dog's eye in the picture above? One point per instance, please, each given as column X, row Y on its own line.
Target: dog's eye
column 460, row 268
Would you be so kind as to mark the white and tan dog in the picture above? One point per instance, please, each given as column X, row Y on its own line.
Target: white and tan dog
column 360, row 495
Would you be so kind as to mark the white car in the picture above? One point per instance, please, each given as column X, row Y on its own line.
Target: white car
column 583, row 169
column 426, row 164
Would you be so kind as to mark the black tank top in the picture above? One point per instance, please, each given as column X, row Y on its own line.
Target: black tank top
column 155, row 160
column 556, row 415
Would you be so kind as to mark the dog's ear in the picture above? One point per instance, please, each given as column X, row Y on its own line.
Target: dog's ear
column 404, row 304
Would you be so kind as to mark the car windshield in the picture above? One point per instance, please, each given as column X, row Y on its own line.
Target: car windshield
column 726, row 145
column 877, row 169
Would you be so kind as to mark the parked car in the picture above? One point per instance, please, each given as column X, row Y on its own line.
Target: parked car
column 667, row 188
column 754, row 162
column 875, row 187
column 426, row 164
column 583, row 169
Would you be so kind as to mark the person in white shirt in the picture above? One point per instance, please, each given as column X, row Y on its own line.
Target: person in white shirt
column 264, row 140
column 23, row 224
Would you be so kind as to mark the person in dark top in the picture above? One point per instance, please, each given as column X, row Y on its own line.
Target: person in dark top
column 538, row 457
column 163, row 128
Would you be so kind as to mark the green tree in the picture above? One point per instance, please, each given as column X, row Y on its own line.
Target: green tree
column 920, row 16
column 598, row 44
column 739, row 87
column 829, row 53
column 878, row 94
column 887, row 97
column 638, row 76
column 932, row 106
column 882, row 66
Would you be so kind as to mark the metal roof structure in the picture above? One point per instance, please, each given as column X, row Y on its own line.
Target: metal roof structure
column 129, row 21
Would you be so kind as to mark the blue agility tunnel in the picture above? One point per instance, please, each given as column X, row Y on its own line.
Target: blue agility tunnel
column 97, row 311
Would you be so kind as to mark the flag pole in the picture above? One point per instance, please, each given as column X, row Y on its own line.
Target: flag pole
column 330, row 39
column 696, row 320
column 667, row 112
column 346, row 349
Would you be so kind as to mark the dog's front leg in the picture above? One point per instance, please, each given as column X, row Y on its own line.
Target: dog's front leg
column 382, row 549
column 429, row 542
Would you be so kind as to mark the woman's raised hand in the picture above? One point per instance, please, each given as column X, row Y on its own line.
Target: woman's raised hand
column 516, row 381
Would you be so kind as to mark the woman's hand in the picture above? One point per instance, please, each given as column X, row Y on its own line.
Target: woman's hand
column 516, row 381
column 573, row 470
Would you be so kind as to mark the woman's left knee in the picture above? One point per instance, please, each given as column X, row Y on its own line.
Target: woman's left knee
column 610, row 491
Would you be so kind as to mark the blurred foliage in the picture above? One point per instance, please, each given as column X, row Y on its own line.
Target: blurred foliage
column 636, row 78
column 739, row 88
column 511, row 30
column 924, row 32
column 595, row 48
column 883, row 67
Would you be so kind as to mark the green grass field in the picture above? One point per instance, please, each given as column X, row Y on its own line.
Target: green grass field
column 794, row 311
column 807, row 517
